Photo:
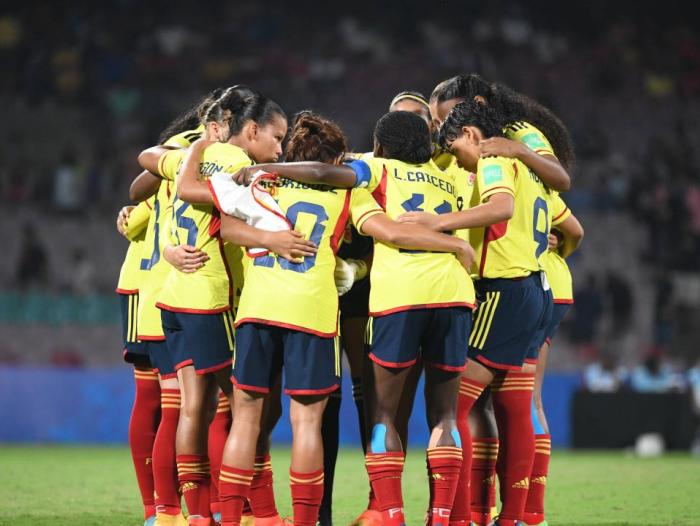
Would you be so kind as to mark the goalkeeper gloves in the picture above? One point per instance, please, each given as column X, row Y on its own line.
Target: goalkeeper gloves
column 347, row 272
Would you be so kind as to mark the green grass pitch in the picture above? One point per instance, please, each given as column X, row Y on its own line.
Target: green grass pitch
column 79, row 486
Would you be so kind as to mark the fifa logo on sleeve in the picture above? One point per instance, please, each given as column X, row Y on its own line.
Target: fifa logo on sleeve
column 492, row 174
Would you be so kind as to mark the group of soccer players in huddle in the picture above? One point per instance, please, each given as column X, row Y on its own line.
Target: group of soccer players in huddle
column 442, row 251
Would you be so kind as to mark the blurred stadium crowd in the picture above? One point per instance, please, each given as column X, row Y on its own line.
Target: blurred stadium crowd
column 89, row 86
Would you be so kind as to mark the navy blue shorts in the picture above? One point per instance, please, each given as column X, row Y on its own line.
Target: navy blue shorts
column 311, row 364
column 509, row 316
column 161, row 358
column 135, row 351
column 533, row 352
column 439, row 336
column 204, row 341
column 558, row 313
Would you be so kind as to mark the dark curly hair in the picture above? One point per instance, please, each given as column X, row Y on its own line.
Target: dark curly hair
column 511, row 107
column 404, row 136
column 469, row 113
column 314, row 138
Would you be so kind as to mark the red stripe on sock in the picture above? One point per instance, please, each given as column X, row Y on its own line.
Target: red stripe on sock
column 385, row 470
column 262, row 493
column 534, row 506
column 444, row 465
column 195, row 483
column 234, row 488
column 307, row 493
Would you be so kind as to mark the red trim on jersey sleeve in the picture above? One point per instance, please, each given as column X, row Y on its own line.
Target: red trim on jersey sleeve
column 360, row 221
column 531, row 361
column 214, row 368
column 491, row 233
column 149, row 206
column 163, row 306
column 501, row 366
column 392, row 365
column 377, row 314
column 341, row 223
column 254, row 388
column 379, row 193
column 147, row 338
column 287, row 326
column 126, row 292
column 326, row 390
column 566, row 209
column 449, row 368
column 504, row 190
column 213, row 196
column 257, row 254
column 564, row 302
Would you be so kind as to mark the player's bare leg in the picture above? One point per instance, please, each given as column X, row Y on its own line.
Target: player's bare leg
column 306, row 470
column 198, row 406
column 444, row 454
column 385, row 454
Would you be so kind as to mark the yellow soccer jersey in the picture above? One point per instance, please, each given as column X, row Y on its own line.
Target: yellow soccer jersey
column 463, row 181
column 510, row 249
column 184, row 139
column 129, row 278
column 211, row 289
column 408, row 279
column 530, row 136
column 154, row 268
column 552, row 263
column 302, row 296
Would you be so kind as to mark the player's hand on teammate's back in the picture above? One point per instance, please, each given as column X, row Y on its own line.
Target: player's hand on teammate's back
column 122, row 219
column 466, row 256
column 290, row 245
column 500, row 147
column 430, row 221
column 553, row 241
column 244, row 176
column 185, row 258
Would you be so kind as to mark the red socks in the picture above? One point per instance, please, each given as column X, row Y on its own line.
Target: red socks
column 483, row 479
column 164, row 466
column 218, row 433
column 444, row 464
column 193, row 475
column 469, row 392
column 145, row 415
column 234, row 487
column 512, row 399
column 262, row 494
column 534, row 507
column 307, row 493
column 385, row 470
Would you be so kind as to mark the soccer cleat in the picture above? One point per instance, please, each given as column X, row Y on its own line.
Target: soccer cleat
column 150, row 521
column 249, row 520
column 369, row 518
column 541, row 523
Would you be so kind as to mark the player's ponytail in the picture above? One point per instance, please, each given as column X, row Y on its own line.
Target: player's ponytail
column 469, row 113
column 246, row 105
column 404, row 136
column 191, row 118
column 314, row 138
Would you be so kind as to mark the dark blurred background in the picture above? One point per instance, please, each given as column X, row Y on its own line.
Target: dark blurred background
column 86, row 85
